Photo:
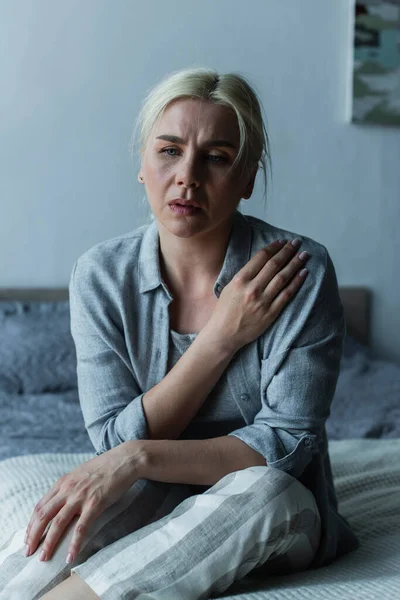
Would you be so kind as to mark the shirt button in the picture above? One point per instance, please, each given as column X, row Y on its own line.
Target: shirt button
column 244, row 397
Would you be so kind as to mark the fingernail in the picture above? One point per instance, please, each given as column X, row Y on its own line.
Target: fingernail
column 27, row 550
column 282, row 242
column 42, row 555
column 69, row 557
column 296, row 242
column 303, row 273
column 303, row 255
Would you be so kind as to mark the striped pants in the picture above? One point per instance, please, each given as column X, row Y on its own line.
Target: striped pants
column 166, row 541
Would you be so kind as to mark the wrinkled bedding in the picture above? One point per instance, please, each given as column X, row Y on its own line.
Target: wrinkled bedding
column 34, row 423
column 366, row 403
column 42, row 436
column 367, row 479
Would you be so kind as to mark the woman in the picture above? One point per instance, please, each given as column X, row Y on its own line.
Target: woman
column 207, row 362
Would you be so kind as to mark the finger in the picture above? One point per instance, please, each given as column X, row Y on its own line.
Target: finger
column 56, row 529
column 42, row 517
column 257, row 261
column 275, row 256
column 287, row 293
column 275, row 265
column 87, row 517
column 46, row 498
column 282, row 278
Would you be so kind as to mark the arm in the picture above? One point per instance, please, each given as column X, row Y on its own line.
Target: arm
column 115, row 410
column 298, row 382
column 171, row 404
column 297, row 387
column 200, row 462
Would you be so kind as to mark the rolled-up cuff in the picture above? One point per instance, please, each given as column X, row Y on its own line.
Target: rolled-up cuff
column 264, row 440
column 130, row 424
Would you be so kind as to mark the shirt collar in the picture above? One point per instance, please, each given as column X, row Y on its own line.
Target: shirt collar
column 236, row 256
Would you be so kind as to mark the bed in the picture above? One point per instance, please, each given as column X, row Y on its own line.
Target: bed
column 42, row 436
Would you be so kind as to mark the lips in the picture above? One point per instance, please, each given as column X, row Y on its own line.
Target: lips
column 183, row 202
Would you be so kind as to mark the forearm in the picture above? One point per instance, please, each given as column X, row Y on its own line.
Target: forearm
column 171, row 404
column 200, row 462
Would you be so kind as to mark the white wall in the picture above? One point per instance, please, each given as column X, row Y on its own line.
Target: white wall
column 73, row 75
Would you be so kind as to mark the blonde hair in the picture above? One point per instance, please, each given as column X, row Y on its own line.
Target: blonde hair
column 227, row 89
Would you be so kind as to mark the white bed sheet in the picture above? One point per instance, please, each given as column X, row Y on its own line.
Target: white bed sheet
column 367, row 479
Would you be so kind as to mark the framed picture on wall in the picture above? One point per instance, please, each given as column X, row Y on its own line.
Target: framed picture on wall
column 376, row 64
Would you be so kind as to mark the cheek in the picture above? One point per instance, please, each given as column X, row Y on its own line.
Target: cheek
column 225, row 183
column 157, row 173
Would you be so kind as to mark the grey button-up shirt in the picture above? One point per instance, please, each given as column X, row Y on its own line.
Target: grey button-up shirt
column 282, row 383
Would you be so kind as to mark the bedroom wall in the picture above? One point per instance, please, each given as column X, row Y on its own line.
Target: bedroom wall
column 73, row 75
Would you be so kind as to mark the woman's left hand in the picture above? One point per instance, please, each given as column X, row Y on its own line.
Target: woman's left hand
column 87, row 491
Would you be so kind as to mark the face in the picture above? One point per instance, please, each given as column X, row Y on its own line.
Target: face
column 195, row 165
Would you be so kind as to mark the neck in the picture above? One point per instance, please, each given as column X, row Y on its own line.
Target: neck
column 190, row 266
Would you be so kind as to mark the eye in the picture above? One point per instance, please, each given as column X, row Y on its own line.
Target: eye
column 218, row 158
column 166, row 150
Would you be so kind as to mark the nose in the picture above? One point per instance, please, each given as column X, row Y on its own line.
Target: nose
column 188, row 175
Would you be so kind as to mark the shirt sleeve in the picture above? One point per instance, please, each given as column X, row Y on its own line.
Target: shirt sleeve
column 299, row 382
column 110, row 398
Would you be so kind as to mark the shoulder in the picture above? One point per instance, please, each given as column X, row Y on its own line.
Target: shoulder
column 264, row 233
column 105, row 277
column 115, row 249
column 316, row 311
column 103, row 281
column 112, row 257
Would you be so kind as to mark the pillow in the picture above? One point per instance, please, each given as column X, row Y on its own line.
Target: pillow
column 37, row 351
column 366, row 403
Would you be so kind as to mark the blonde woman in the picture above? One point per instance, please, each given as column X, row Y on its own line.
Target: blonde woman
column 207, row 363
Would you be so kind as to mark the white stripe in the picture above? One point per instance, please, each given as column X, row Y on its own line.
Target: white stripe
column 31, row 580
column 229, row 554
column 37, row 574
column 16, row 543
column 170, row 534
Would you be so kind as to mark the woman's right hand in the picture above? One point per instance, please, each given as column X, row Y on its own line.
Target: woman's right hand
column 257, row 294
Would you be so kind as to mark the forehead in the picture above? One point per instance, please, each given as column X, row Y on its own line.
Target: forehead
column 187, row 116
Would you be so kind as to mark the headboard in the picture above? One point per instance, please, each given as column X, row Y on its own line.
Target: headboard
column 356, row 303
column 357, row 309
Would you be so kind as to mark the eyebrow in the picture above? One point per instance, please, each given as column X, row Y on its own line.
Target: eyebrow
column 208, row 143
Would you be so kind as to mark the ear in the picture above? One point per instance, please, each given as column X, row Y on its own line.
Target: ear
column 249, row 188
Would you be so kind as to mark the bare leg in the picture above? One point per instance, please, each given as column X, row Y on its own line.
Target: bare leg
column 73, row 588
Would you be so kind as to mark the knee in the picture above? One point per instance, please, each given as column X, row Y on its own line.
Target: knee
column 270, row 483
column 266, row 476
column 256, row 479
column 280, row 490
